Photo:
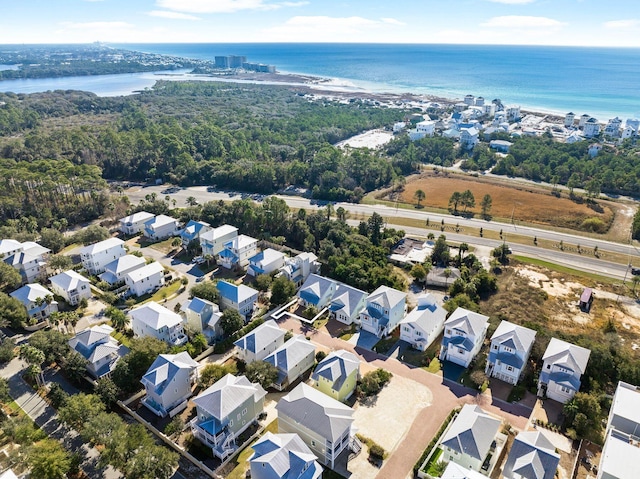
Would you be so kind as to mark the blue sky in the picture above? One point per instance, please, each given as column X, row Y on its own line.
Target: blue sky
column 537, row 22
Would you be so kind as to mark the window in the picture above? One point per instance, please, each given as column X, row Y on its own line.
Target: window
column 313, row 443
column 495, row 346
column 231, row 423
column 507, row 350
column 509, row 368
column 244, row 411
column 460, row 351
column 448, row 331
column 548, row 366
column 565, row 390
column 406, row 329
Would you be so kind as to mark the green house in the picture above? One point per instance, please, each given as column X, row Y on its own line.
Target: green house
column 337, row 375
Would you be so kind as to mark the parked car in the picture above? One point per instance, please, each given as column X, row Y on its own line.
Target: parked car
column 635, row 271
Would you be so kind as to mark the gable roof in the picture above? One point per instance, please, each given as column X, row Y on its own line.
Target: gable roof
column 29, row 293
column 85, row 341
column 125, row 263
column 532, row 456
column 284, row 456
column 102, row 246
column 257, row 339
column 145, row 271
column 456, row 471
column 160, row 221
column 224, row 396
column 467, row 321
column 472, row 432
column 239, row 242
column 7, row 245
column 386, row 297
column 514, row 336
column 135, row 217
column 336, row 367
column 316, row 411
column 315, row 288
column 192, row 229
column 155, row 316
column 566, row 354
column 427, row 315
column 235, row 293
column 266, row 256
column 165, row 368
column 347, row 300
column 218, row 232
column 69, row 280
column 34, row 249
column 291, row 354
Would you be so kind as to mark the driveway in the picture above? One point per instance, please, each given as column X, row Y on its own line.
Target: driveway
column 364, row 339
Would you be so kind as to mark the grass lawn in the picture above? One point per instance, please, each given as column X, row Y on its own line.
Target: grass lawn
column 68, row 248
column 242, row 459
column 163, row 293
column 319, row 323
column 162, row 246
column 124, row 340
column 431, row 466
column 563, row 269
column 384, row 345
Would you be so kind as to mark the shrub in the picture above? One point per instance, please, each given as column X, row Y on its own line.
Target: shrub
column 57, row 395
column 594, row 225
column 175, row 426
column 376, row 450
column 373, row 382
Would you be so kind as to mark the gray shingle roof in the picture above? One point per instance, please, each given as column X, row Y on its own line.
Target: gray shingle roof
column 532, row 456
column 472, row 432
column 347, row 300
column 223, row 397
column 337, row 367
column 164, row 369
column 386, row 297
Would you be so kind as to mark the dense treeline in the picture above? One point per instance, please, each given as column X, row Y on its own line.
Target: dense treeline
column 245, row 137
column 409, row 154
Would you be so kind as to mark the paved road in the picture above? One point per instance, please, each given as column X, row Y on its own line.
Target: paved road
column 580, row 262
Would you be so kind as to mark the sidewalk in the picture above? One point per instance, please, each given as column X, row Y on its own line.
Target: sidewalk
column 45, row 416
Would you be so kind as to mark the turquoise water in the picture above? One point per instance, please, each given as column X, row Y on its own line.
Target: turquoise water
column 602, row 82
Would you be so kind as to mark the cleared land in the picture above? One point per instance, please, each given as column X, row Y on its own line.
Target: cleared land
column 526, row 204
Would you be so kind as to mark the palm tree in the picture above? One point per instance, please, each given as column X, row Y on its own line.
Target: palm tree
column 463, row 248
column 419, row 195
column 191, row 201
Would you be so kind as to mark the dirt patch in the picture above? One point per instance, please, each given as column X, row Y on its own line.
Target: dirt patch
column 516, row 200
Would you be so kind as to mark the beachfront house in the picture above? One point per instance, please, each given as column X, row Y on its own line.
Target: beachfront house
column 146, row 279
column 154, row 320
column 292, row 359
column 464, row 333
column 161, row 227
column 213, row 240
column 298, row 268
column 532, row 456
column 621, row 451
column 471, row 438
column 236, row 252
column 337, row 374
column 71, row 286
column 323, row 423
column 563, row 366
column 134, row 223
column 97, row 256
column 591, row 128
column 256, row 345
column 509, row 352
column 115, row 271
column 384, row 310
column 317, row 291
column 168, row 382
column 39, row 303
column 240, row 298
column 347, row 303
column 424, row 324
column 283, row 456
column 203, row 316
column 266, row 262
column 224, row 411
column 193, row 231
column 99, row 348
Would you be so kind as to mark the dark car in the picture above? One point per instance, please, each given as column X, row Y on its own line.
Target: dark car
column 635, row 271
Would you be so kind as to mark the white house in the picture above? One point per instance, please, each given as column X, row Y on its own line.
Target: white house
column 39, row 303
column 161, row 227
column 203, row 316
column 591, row 128
column 99, row 348
column 237, row 252
column 256, row 345
column 145, row 279
column 399, row 126
column 292, row 359
column 283, row 456
column 317, row 291
column 30, row 261
column 298, row 268
column 134, row 223
column 621, row 452
column 568, row 119
column 468, row 138
column 422, row 326
column 115, row 271
column 613, row 127
column 563, row 366
column 323, row 423
column 512, row 113
column 347, row 303
column 533, row 456
column 583, row 120
column 464, row 333
column 470, row 437
column 73, row 287
column 9, row 247
column 212, row 241
column 224, row 411
column 454, row 471
column 97, row 256
column 193, row 231
column 510, row 348
column 501, row 146
column 384, row 309
column 240, row 298
column 168, row 382
column 156, row 321
column 266, row 262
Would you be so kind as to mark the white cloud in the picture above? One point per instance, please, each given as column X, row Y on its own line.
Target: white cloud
column 517, row 21
column 332, row 29
column 223, row 6
column 622, row 24
column 513, row 2
column 96, row 25
column 392, row 21
column 172, row 15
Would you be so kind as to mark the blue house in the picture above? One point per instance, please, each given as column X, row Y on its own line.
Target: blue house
column 317, row 291
column 192, row 231
column 168, row 383
column 240, row 298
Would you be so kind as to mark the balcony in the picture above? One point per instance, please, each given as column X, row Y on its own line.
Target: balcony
column 154, row 407
column 179, row 340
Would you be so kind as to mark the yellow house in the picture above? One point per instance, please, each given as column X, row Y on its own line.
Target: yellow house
column 337, row 375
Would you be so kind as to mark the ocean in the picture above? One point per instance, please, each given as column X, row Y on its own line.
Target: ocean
column 603, row 82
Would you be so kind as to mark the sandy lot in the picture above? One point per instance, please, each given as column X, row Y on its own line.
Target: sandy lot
column 369, row 139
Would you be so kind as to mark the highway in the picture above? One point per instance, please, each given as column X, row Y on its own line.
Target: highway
column 580, row 262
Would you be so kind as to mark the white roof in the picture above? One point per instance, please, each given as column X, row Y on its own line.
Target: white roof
column 562, row 353
column 101, row 246
column 386, row 297
column 35, row 249
column 125, row 263
column 224, row 397
column 135, row 217
column 427, row 316
column 259, row 338
column 145, row 271
column 161, row 220
column 626, row 403
column 218, row 232
column 619, row 458
column 242, row 241
column 337, row 367
column 8, row 475
column 155, row 316
column 7, row 245
column 29, row 293
column 455, row 471
column 69, row 280
column 467, row 321
column 514, row 336
column 284, row 456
